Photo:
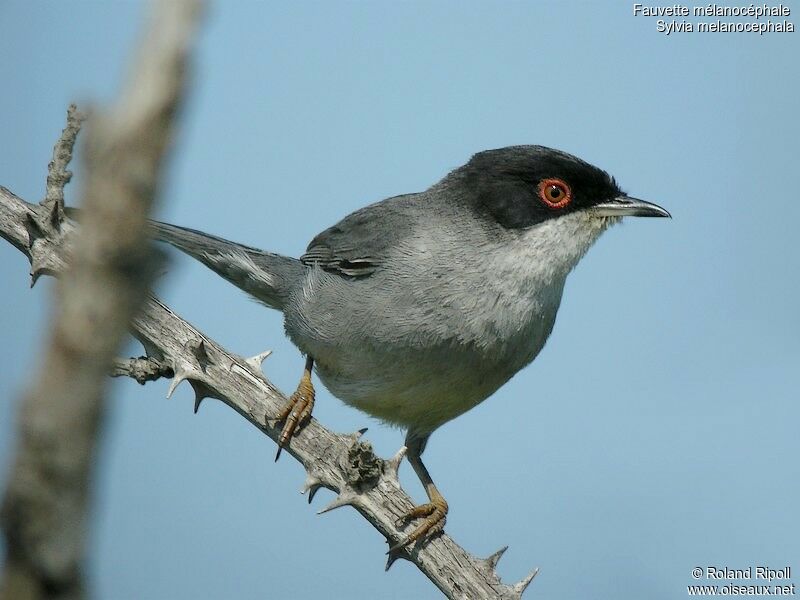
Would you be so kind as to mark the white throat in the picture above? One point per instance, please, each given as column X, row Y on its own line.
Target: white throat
column 528, row 277
column 548, row 252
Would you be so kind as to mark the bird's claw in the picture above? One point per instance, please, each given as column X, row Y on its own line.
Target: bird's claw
column 296, row 412
column 435, row 514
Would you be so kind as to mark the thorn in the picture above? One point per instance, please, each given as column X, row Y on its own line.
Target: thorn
column 39, row 266
column 311, row 485
column 37, row 272
column 354, row 437
column 201, row 392
column 397, row 547
column 310, row 482
column 201, row 354
column 495, row 558
column 257, row 360
column 180, row 376
column 520, row 587
column 56, row 216
column 343, row 499
column 391, row 557
column 313, row 492
column 391, row 466
column 33, row 228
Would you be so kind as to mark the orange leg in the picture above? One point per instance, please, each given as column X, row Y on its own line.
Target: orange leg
column 435, row 511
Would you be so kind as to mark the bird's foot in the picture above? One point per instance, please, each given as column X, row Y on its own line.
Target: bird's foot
column 435, row 514
column 297, row 411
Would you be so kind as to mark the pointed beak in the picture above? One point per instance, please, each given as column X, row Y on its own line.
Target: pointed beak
column 625, row 206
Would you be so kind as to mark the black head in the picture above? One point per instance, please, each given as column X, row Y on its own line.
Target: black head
column 522, row 186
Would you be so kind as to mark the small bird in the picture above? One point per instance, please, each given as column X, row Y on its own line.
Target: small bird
column 418, row 307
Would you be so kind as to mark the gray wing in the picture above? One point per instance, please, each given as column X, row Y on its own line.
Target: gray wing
column 358, row 245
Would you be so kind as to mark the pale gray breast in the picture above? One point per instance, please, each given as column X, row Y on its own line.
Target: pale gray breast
column 441, row 326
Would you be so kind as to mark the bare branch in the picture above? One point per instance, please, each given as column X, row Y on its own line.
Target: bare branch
column 57, row 174
column 110, row 265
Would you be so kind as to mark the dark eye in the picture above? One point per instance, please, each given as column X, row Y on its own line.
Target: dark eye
column 555, row 193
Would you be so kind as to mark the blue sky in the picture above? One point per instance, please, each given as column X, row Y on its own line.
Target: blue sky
column 658, row 429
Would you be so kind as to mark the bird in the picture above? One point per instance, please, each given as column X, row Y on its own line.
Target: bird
column 418, row 307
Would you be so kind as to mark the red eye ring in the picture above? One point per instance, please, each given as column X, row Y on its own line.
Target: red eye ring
column 555, row 193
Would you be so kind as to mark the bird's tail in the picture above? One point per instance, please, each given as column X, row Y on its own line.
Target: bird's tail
column 268, row 277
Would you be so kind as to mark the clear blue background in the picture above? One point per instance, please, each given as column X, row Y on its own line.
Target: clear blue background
column 657, row 431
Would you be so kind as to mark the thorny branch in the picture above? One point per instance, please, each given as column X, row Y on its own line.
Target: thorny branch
column 342, row 463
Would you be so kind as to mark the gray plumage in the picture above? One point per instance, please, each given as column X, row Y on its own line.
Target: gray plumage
column 268, row 277
column 417, row 308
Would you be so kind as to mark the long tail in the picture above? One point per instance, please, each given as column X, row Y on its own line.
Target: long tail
column 266, row 276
